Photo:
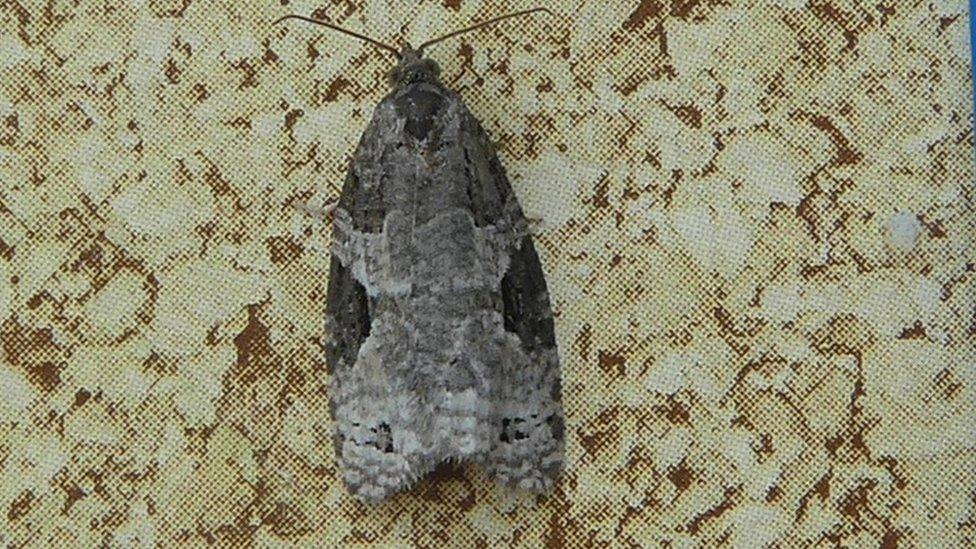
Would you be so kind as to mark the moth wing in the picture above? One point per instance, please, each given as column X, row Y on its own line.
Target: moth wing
column 363, row 406
column 528, row 451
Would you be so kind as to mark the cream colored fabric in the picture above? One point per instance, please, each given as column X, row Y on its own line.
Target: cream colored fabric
column 757, row 226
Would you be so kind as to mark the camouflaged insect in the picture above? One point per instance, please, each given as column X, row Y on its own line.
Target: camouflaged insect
column 441, row 344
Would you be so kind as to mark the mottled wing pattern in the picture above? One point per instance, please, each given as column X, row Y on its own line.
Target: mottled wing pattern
column 528, row 451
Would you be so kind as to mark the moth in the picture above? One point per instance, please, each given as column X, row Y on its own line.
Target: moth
column 441, row 344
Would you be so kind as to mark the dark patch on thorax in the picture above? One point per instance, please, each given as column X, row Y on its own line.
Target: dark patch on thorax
column 420, row 106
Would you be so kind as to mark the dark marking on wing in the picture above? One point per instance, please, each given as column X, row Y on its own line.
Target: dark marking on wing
column 525, row 300
column 348, row 309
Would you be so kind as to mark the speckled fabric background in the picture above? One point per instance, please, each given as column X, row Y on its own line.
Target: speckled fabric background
column 757, row 225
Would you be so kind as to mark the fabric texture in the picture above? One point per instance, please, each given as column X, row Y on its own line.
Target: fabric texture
column 756, row 223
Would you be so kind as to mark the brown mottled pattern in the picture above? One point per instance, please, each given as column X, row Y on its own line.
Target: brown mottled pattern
column 757, row 227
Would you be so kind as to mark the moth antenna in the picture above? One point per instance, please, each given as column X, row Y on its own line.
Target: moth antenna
column 364, row 38
column 480, row 25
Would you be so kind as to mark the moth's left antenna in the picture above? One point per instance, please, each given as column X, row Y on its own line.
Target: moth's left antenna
column 376, row 43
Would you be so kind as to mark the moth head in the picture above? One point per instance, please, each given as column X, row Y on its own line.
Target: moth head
column 413, row 67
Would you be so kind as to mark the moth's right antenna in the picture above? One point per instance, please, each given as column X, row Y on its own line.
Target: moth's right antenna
column 480, row 25
column 376, row 43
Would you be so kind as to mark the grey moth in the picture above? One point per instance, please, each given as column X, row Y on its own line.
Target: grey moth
column 440, row 332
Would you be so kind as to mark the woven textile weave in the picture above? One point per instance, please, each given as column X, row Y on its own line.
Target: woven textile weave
column 757, row 227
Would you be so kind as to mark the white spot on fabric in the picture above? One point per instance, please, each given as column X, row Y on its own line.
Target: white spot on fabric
column 903, row 230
